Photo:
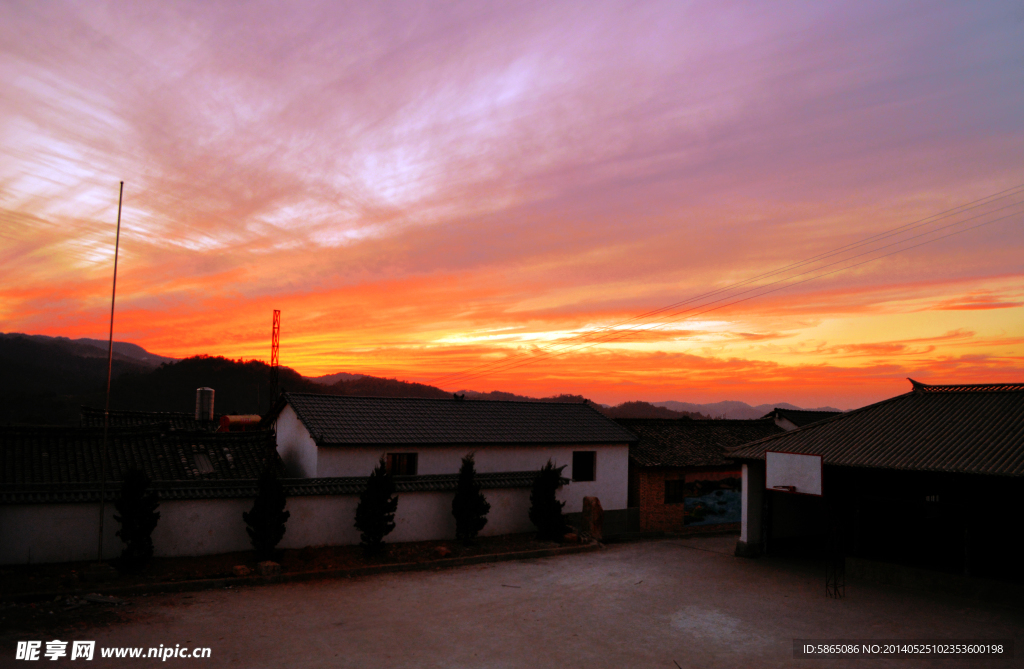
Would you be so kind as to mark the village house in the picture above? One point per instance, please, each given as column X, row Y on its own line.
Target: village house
column 50, row 477
column 50, row 488
column 932, row 479
column 423, row 442
column 791, row 419
column 680, row 479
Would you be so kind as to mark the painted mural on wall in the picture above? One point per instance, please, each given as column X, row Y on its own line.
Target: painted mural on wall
column 712, row 502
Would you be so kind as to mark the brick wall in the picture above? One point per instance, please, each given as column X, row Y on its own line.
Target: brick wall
column 655, row 515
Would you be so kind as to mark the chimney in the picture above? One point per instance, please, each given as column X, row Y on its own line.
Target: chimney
column 204, row 403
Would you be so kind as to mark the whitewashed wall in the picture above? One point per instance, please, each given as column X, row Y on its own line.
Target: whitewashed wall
column 610, row 484
column 37, row 533
column 304, row 459
column 296, row 448
column 31, row 533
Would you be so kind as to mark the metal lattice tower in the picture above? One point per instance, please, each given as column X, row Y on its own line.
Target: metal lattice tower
column 275, row 345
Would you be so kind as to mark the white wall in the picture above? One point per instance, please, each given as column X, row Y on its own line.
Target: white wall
column 610, row 484
column 200, row 527
column 31, row 533
column 296, row 447
column 36, row 533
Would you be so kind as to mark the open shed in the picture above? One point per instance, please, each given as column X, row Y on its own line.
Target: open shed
column 932, row 479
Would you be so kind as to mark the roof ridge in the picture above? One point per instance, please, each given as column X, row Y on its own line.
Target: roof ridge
column 137, row 413
column 966, row 387
column 827, row 421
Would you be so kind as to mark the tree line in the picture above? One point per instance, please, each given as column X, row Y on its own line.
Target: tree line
column 266, row 521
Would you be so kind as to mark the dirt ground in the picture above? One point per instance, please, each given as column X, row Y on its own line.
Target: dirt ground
column 68, row 613
column 65, row 576
column 668, row 603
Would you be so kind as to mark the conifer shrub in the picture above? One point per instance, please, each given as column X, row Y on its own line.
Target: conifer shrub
column 545, row 509
column 267, row 518
column 469, row 506
column 375, row 514
column 138, row 516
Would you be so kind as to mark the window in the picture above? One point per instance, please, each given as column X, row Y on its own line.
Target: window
column 584, row 465
column 203, row 464
column 402, row 464
column 675, row 491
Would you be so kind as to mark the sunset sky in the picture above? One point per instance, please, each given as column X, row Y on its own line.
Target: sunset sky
column 430, row 189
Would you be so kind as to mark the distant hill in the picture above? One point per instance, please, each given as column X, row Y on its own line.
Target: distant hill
column 499, row 396
column 328, row 379
column 133, row 351
column 372, row 386
column 625, row 410
column 43, row 380
column 240, row 387
column 646, row 410
column 126, row 350
column 734, row 409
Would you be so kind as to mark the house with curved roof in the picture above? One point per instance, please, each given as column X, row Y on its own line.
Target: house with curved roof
column 680, row 476
column 933, row 478
column 343, row 436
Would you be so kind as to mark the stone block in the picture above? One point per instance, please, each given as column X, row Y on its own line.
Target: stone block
column 268, row 568
column 592, row 521
column 241, row 570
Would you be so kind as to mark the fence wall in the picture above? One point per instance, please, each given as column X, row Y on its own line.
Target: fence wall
column 36, row 533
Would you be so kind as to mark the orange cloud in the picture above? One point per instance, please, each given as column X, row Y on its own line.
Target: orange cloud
column 423, row 194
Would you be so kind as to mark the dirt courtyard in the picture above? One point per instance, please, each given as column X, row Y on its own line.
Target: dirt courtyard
column 685, row 602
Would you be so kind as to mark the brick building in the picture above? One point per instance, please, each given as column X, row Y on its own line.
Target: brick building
column 679, row 476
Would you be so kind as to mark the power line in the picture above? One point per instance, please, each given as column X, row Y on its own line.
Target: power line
column 599, row 335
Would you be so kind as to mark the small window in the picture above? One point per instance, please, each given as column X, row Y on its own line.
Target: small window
column 203, row 463
column 584, row 465
column 402, row 464
column 675, row 491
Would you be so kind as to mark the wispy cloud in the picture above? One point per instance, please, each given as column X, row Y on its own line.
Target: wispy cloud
column 461, row 180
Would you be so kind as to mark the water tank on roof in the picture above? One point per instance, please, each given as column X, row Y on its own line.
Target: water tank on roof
column 204, row 403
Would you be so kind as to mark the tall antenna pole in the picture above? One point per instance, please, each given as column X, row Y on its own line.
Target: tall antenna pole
column 275, row 345
column 110, row 366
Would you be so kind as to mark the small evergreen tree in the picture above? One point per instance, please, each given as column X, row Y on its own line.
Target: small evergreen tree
column 138, row 517
column 375, row 515
column 545, row 509
column 469, row 506
column 267, row 518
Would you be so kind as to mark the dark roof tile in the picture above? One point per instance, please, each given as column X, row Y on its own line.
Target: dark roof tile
column 47, row 455
column 666, row 442
column 342, row 420
column 174, row 420
column 800, row 417
column 975, row 429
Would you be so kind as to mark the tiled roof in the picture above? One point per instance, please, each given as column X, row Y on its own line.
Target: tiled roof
column 175, row 420
column 666, row 442
column 342, row 420
column 60, row 456
column 173, row 490
column 976, row 429
column 799, row 417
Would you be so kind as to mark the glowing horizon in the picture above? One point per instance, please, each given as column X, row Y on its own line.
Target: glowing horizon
column 422, row 191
